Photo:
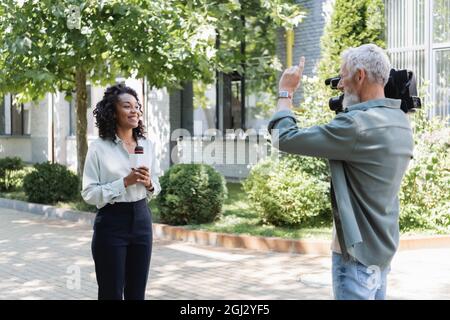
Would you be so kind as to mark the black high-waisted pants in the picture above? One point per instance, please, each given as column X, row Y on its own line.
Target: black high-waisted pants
column 122, row 248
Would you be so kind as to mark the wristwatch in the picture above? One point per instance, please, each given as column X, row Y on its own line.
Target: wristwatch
column 284, row 94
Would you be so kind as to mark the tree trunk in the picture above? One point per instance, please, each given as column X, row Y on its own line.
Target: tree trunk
column 81, row 109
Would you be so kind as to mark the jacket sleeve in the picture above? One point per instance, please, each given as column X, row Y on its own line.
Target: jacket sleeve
column 93, row 191
column 334, row 140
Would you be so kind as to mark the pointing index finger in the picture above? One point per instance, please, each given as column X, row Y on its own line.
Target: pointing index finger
column 301, row 64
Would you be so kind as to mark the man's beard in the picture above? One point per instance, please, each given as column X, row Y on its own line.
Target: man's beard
column 350, row 99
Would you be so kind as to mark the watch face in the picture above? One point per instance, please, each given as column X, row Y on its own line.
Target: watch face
column 283, row 94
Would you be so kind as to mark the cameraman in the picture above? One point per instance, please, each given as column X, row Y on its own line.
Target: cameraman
column 369, row 147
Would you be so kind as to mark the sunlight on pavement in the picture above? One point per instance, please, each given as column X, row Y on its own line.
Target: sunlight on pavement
column 43, row 259
column 208, row 253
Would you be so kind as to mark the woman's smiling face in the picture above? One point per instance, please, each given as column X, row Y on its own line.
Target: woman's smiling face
column 127, row 112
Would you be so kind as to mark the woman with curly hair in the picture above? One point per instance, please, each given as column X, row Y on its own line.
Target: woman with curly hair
column 122, row 240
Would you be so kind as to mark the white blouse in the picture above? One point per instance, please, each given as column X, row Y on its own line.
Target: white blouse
column 107, row 163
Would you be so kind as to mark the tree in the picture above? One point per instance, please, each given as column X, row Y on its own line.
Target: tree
column 248, row 33
column 49, row 46
column 353, row 23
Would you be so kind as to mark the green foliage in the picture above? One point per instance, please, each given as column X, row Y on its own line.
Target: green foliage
column 15, row 179
column 49, row 183
column 153, row 38
column 257, row 23
column 294, row 191
column 191, row 194
column 291, row 191
column 168, row 41
column 314, row 109
column 199, row 91
column 353, row 23
column 78, row 204
column 10, row 164
column 424, row 195
column 11, row 173
column 425, row 192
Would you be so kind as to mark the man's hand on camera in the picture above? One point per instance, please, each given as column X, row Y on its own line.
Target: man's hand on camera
column 290, row 81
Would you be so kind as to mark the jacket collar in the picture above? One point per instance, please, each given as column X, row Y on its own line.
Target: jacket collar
column 385, row 102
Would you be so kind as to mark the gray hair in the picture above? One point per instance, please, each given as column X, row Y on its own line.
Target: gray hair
column 371, row 58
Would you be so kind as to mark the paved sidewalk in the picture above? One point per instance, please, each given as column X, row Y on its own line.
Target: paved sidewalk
column 42, row 258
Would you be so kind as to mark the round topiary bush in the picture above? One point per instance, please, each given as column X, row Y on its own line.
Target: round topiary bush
column 292, row 191
column 191, row 194
column 50, row 183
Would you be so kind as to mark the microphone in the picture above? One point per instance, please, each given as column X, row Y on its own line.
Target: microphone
column 137, row 158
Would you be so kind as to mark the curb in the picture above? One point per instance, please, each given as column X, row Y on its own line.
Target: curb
column 230, row 241
column 49, row 211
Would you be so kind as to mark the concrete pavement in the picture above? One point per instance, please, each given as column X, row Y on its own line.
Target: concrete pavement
column 51, row 259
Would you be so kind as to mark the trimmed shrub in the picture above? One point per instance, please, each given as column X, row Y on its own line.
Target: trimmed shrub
column 191, row 194
column 50, row 183
column 16, row 178
column 293, row 191
column 10, row 175
column 425, row 192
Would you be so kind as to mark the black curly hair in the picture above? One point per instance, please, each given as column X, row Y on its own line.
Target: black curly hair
column 105, row 113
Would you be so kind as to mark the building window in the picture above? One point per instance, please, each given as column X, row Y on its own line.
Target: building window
column 259, row 108
column 237, row 103
column 442, row 82
column 441, row 54
column 73, row 117
column 73, row 114
column 441, row 18
column 418, row 38
column 20, row 118
column 406, row 35
column 231, row 106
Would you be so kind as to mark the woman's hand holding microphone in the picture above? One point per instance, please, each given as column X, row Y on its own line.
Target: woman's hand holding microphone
column 139, row 175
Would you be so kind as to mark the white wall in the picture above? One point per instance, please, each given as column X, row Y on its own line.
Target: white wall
column 32, row 148
column 158, row 124
column 16, row 147
column 232, row 157
column 61, row 127
column 40, row 130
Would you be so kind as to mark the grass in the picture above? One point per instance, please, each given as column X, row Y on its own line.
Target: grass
column 78, row 204
column 14, row 195
column 237, row 218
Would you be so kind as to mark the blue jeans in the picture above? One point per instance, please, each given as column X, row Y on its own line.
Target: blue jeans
column 354, row 281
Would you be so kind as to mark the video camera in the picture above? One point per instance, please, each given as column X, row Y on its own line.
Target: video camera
column 401, row 85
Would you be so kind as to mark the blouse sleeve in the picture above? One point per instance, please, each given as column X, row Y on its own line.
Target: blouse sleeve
column 93, row 192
